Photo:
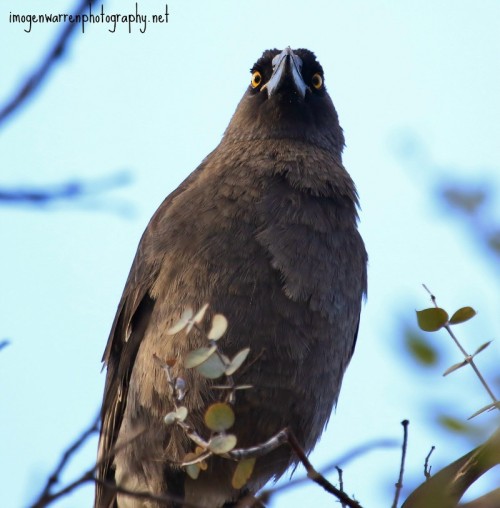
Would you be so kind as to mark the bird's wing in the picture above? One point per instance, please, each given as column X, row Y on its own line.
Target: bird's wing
column 130, row 323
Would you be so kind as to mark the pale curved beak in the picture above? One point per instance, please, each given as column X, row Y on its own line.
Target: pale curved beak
column 287, row 67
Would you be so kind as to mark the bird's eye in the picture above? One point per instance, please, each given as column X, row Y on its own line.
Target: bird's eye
column 317, row 81
column 256, row 79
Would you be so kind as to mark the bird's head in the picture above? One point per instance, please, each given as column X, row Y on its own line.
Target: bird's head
column 287, row 99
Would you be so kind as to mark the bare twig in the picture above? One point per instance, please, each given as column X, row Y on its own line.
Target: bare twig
column 46, row 497
column 343, row 460
column 341, row 484
column 427, row 468
column 399, row 484
column 165, row 499
column 262, row 449
column 69, row 191
column 89, row 476
column 317, row 477
column 38, row 75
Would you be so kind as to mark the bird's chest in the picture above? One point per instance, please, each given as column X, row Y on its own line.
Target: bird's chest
column 254, row 237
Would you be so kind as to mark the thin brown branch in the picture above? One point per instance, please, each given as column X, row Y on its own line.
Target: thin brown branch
column 46, row 497
column 49, row 498
column 89, row 476
column 343, row 460
column 317, row 477
column 166, row 499
column 262, row 449
column 238, row 453
column 38, row 75
column 427, row 468
column 404, row 446
column 341, row 484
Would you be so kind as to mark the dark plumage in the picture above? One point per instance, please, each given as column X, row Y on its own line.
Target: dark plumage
column 265, row 230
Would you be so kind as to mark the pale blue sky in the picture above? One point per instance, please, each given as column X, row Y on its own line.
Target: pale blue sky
column 155, row 104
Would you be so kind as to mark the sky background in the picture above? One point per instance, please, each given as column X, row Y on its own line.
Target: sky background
column 421, row 76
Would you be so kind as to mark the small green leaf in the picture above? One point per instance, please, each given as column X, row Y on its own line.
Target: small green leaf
column 170, row 418
column 186, row 315
column 237, row 361
column 212, row 368
column 198, row 356
column 219, row 417
column 193, row 470
column 219, row 327
column 179, row 414
column 242, row 473
column 221, row 444
column 462, row 315
column 431, row 320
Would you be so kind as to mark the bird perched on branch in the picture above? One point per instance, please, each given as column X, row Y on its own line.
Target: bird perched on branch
column 265, row 231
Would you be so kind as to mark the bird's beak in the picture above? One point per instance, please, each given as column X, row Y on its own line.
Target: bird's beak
column 287, row 68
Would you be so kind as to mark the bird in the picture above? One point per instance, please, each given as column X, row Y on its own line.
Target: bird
column 265, row 231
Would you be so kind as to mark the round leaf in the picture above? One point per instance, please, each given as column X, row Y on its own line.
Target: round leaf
column 242, row 473
column 237, row 361
column 170, row 418
column 222, row 444
column 462, row 315
column 219, row 327
column 431, row 320
column 182, row 323
column 212, row 368
column 219, row 417
column 181, row 413
column 198, row 356
column 193, row 470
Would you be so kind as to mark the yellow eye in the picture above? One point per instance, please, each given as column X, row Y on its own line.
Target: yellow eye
column 317, row 81
column 256, row 79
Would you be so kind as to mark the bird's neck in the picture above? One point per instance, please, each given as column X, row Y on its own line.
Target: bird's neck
column 302, row 164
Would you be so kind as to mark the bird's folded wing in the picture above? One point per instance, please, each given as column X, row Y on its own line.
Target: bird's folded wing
column 130, row 323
